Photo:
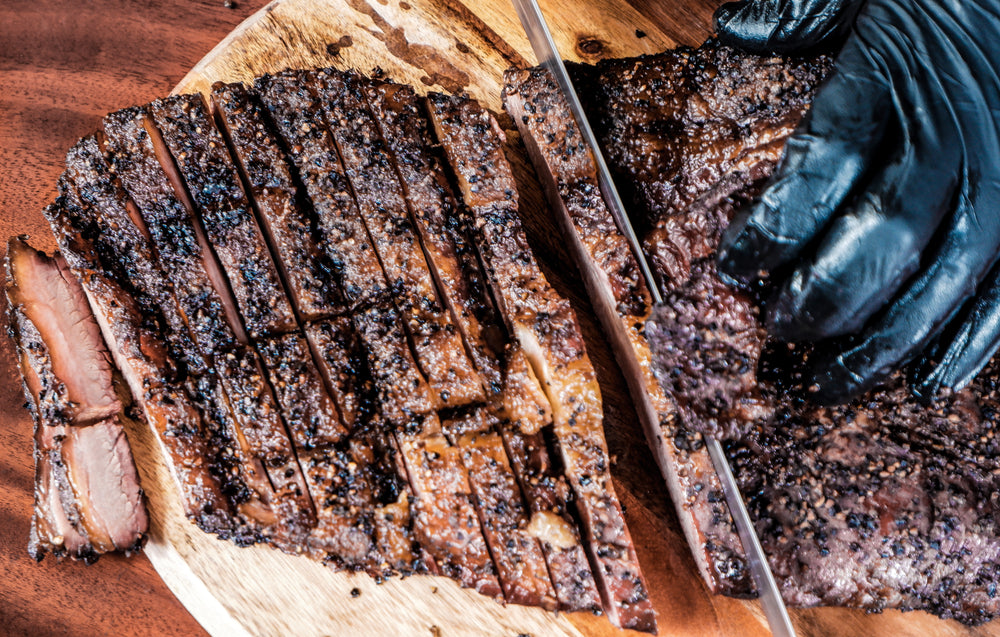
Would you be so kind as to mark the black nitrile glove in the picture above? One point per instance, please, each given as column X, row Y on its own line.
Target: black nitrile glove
column 886, row 207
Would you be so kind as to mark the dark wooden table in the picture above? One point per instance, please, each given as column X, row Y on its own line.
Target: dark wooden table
column 63, row 65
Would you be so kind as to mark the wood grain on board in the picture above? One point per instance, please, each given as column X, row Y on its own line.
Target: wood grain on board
column 62, row 67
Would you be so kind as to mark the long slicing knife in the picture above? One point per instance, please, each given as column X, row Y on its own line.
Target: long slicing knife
column 548, row 56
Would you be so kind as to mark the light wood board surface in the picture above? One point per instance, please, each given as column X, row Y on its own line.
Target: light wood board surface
column 451, row 46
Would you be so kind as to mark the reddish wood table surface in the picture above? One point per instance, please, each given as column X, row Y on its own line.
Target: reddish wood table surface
column 63, row 65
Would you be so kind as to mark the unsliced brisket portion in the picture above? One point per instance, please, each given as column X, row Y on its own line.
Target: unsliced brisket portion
column 880, row 503
column 544, row 325
column 453, row 258
column 203, row 161
column 290, row 229
column 379, row 195
column 87, row 495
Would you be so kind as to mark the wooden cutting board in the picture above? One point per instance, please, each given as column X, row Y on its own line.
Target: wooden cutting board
column 451, row 46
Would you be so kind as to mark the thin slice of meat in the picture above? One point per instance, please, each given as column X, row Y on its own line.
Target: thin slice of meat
column 344, row 369
column 124, row 245
column 619, row 295
column 544, row 324
column 544, row 486
column 437, row 343
column 100, row 475
column 310, row 412
column 334, row 469
column 290, row 229
column 516, row 553
column 52, row 528
column 403, row 125
column 53, row 301
column 514, row 390
column 340, row 360
column 87, row 464
column 145, row 363
column 138, row 155
column 393, row 515
column 213, row 184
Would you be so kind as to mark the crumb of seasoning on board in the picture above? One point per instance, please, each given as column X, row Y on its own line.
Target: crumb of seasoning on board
column 355, row 592
column 229, row 4
column 639, row 33
column 435, row 631
column 334, row 48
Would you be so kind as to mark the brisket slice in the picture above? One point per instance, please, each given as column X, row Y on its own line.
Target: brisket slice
column 290, row 229
column 517, row 396
column 544, row 325
column 516, row 553
column 213, row 184
column 147, row 172
column 343, row 365
column 296, row 114
column 330, row 465
column 381, row 202
column 88, row 500
column 451, row 256
column 880, row 503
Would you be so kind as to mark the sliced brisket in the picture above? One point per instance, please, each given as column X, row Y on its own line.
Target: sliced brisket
column 202, row 160
column 544, row 325
column 87, row 495
column 290, row 229
column 379, row 195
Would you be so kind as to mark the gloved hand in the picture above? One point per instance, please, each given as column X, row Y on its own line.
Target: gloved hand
column 886, row 206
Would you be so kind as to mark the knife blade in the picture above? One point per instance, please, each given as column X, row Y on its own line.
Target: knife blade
column 537, row 30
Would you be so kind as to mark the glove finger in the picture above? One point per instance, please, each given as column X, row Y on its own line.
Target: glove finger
column 916, row 316
column 823, row 161
column 783, row 26
column 965, row 348
column 870, row 250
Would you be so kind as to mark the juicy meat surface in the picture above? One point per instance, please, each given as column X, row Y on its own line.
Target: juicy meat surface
column 199, row 152
column 290, row 229
column 543, row 324
column 87, row 495
column 880, row 503
column 53, row 301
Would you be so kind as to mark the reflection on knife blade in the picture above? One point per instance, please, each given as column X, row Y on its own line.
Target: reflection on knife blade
column 542, row 43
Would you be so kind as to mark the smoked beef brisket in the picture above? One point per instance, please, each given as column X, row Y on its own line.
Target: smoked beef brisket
column 881, row 503
column 341, row 353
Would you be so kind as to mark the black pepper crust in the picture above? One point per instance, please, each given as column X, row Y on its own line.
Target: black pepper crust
column 203, row 161
column 543, row 322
